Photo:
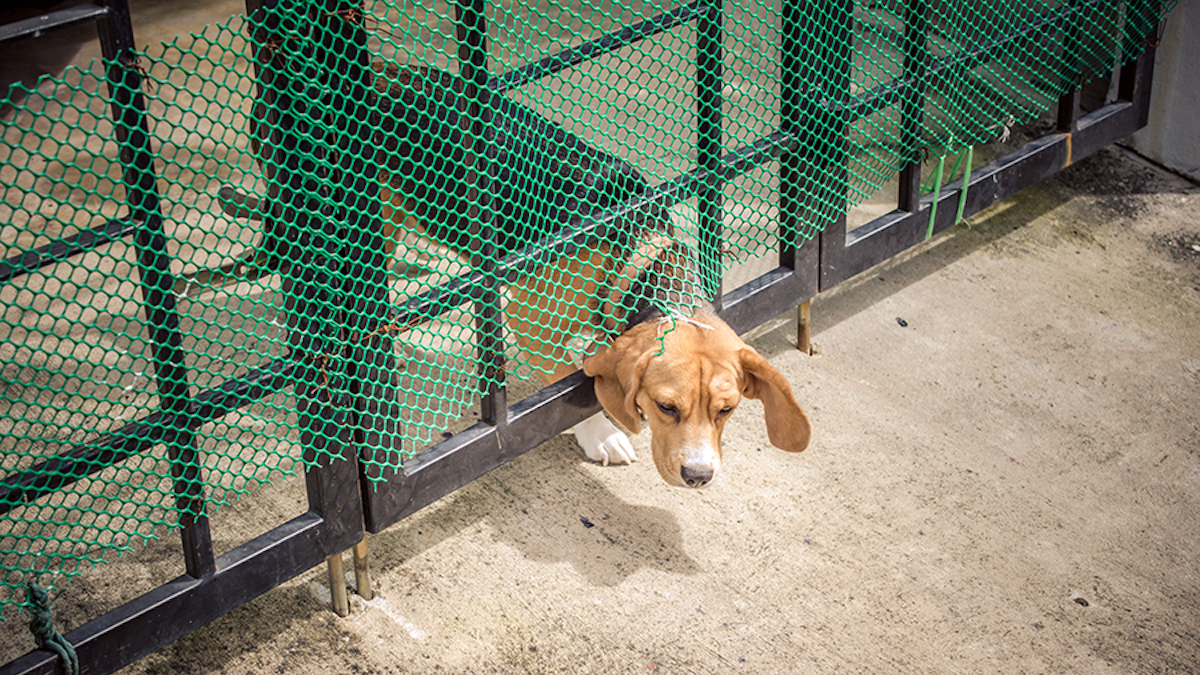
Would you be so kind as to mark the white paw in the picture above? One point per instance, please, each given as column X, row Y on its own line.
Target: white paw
column 603, row 442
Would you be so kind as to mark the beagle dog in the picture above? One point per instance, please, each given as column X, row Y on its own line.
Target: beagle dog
column 600, row 308
column 685, row 384
column 683, row 371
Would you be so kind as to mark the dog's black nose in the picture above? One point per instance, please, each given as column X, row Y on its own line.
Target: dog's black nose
column 696, row 477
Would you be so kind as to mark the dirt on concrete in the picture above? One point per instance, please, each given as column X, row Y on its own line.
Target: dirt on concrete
column 1005, row 478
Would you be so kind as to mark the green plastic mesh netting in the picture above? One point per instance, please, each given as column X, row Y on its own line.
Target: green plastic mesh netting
column 308, row 147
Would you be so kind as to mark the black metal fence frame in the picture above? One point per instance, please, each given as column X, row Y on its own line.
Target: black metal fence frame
column 342, row 504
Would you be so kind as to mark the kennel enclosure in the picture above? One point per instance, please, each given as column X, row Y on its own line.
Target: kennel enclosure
column 202, row 295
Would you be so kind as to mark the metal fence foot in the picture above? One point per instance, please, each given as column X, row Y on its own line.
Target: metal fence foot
column 362, row 570
column 337, row 585
column 804, row 327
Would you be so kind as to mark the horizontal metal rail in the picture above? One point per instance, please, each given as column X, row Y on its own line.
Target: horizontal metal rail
column 878, row 98
column 846, row 253
column 61, row 249
column 140, row 436
column 62, row 18
column 590, row 50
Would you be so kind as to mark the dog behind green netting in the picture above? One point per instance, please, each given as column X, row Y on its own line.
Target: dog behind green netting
column 637, row 279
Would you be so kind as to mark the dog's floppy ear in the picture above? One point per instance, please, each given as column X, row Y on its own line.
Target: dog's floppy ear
column 618, row 371
column 788, row 426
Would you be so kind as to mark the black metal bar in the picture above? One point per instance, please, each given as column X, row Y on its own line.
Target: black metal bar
column 154, row 266
column 372, row 358
column 35, row 26
column 1068, row 109
column 590, row 50
column 241, row 391
column 472, row 30
column 1135, row 75
column 826, row 73
column 886, row 236
column 709, row 142
column 302, row 83
column 1141, row 27
column 916, row 63
column 58, row 472
column 791, row 107
column 140, row 436
column 61, row 249
column 1068, row 103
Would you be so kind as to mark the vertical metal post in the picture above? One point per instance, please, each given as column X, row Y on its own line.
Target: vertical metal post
column 154, row 267
column 310, row 205
column 472, row 32
column 362, row 571
column 1134, row 75
column 804, row 327
column 709, row 140
column 792, row 228
column 1068, row 103
column 916, row 64
column 356, row 204
column 338, row 598
column 825, row 70
column 366, row 298
column 791, row 106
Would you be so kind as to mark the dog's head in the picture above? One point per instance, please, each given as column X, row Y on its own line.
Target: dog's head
column 685, row 378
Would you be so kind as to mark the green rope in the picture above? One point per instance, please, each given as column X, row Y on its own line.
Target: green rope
column 44, row 634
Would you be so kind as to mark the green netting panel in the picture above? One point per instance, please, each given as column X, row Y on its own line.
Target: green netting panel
column 322, row 223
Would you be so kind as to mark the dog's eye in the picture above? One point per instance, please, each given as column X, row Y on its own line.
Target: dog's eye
column 725, row 411
column 667, row 409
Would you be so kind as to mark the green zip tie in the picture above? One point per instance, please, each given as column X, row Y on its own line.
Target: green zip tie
column 936, row 182
column 928, row 185
column 937, row 191
column 962, row 194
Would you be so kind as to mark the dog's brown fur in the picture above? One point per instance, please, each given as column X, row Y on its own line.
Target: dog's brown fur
column 686, row 378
